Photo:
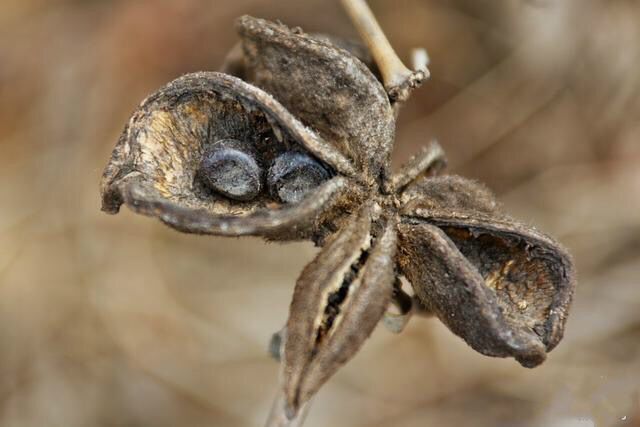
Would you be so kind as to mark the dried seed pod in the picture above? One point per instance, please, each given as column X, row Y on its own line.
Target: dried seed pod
column 230, row 167
column 293, row 174
column 503, row 287
column 333, row 92
column 337, row 302
column 156, row 166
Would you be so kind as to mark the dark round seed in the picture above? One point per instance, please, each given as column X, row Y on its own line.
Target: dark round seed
column 292, row 175
column 229, row 167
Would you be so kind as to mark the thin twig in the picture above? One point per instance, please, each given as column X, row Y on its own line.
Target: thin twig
column 430, row 159
column 419, row 59
column 397, row 78
column 278, row 414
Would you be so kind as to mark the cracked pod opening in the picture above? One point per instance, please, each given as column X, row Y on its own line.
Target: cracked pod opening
column 502, row 286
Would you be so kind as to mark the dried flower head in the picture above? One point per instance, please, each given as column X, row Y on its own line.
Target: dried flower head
column 296, row 146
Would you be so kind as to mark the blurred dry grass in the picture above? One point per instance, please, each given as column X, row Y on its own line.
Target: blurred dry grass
column 119, row 321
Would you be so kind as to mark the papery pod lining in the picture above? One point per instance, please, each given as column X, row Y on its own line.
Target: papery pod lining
column 160, row 150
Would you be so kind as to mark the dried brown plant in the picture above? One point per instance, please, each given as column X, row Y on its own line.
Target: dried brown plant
column 293, row 141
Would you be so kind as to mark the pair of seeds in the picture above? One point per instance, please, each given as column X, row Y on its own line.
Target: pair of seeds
column 232, row 168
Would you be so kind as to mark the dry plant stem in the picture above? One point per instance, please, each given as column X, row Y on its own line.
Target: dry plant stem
column 398, row 79
column 399, row 311
column 402, row 308
column 278, row 414
column 276, row 344
column 430, row 158
column 419, row 59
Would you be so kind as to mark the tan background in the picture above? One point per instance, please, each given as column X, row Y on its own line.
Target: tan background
column 120, row 321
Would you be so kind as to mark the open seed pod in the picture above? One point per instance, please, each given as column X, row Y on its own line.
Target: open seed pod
column 502, row 286
column 296, row 145
column 197, row 155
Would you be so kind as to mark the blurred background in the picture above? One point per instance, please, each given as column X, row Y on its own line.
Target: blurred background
column 120, row 321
